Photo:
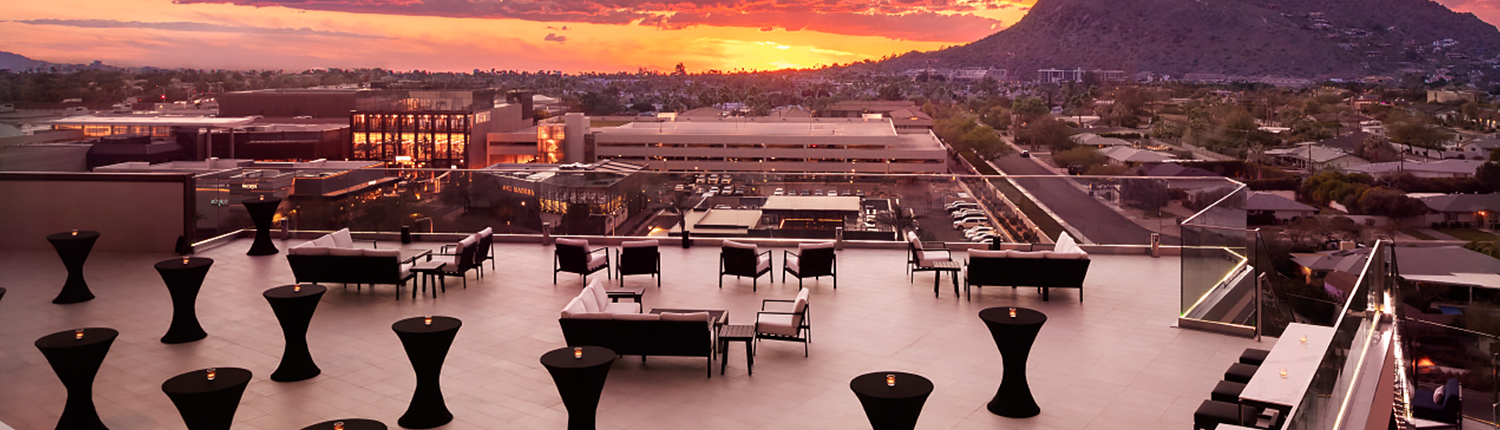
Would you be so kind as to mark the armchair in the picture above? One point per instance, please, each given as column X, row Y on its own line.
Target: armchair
column 638, row 257
column 465, row 258
column 922, row 257
column 743, row 259
column 792, row 326
column 574, row 256
column 484, row 242
column 812, row 260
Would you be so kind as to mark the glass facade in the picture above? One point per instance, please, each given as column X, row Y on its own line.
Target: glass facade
column 412, row 139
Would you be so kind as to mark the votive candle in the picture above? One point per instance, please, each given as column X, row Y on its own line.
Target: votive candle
column 890, row 379
column 296, row 288
column 1012, row 312
column 212, row 373
column 184, row 260
column 78, row 334
column 1283, row 372
column 577, row 352
column 427, row 320
column 75, row 232
column 338, row 425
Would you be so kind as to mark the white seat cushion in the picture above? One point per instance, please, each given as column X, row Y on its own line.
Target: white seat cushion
column 406, row 269
column 597, row 261
column 803, row 296
column 574, row 306
column 346, row 252
column 589, row 304
column 342, row 239
column 762, row 263
column 325, row 241
column 819, row 245
column 574, row 242
column 776, row 324
column 623, row 308
column 791, row 263
column 741, row 245
column 1054, row 255
column 597, row 293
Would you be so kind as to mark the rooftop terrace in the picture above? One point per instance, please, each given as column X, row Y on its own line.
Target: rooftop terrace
column 1111, row 362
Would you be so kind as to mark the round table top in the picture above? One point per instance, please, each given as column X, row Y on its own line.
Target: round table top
column 562, row 358
column 177, row 264
column 415, row 324
column 908, row 385
column 1001, row 315
column 262, row 199
column 69, row 235
column 196, row 382
column 349, row 424
column 70, row 339
column 290, row 292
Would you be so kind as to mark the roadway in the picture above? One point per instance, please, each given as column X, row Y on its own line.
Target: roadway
column 1097, row 222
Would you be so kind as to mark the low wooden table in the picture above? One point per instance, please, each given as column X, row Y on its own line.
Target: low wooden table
column 938, row 267
column 633, row 293
column 737, row 333
column 429, row 269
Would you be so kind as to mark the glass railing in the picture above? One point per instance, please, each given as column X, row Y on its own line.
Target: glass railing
column 611, row 200
column 1340, row 395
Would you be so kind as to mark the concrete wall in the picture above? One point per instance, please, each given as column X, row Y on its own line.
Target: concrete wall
column 131, row 211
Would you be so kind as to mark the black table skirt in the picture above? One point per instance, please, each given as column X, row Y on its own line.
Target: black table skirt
column 76, row 361
column 427, row 346
column 891, row 407
column 1014, row 337
column 294, row 308
column 183, row 282
column 262, row 211
column 205, row 404
column 580, row 381
column 73, row 248
column 349, row 424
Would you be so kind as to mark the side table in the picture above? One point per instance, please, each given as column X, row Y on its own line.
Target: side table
column 73, row 247
column 294, row 306
column 184, row 278
column 580, row 380
column 208, row 404
column 75, row 355
column 737, row 333
column 428, row 270
column 427, row 341
column 262, row 211
column 891, row 406
column 1014, row 333
column 937, row 269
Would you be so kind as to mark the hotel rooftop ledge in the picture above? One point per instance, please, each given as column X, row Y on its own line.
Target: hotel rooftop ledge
column 1111, row 362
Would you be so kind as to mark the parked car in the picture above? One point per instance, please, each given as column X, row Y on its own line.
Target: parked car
column 779, row 192
column 818, row 192
column 806, row 192
column 962, row 206
column 970, row 222
column 679, row 187
column 982, row 237
column 845, row 193
column 726, row 191
column 713, row 190
column 1025, row 154
column 967, row 213
column 955, row 203
column 726, row 180
column 976, row 230
column 833, row 192
column 860, row 193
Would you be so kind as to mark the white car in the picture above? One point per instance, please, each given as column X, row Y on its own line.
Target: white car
column 679, row 187
column 970, row 222
column 726, row 191
column 779, row 192
column 961, row 205
column 967, row 213
column 984, row 237
column 713, row 190
column 951, row 204
column 833, row 192
column 977, row 230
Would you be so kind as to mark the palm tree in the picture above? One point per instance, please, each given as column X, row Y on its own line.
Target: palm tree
column 898, row 218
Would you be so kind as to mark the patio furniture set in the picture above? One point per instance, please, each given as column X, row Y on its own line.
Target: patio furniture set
column 1065, row 266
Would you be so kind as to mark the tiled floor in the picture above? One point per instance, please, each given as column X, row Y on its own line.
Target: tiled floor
column 1112, row 362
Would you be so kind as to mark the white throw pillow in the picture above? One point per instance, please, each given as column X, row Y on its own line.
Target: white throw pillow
column 1437, row 395
column 589, row 304
column 342, row 239
column 597, row 289
column 325, row 241
column 1065, row 243
column 574, row 307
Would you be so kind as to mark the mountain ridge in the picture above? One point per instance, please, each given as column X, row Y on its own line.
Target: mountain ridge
column 1295, row 38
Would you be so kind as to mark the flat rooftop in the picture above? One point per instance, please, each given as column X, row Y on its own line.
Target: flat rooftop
column 1111, row 362
column 153, row 120
column 736, row 128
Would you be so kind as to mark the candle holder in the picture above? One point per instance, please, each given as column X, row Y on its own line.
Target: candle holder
column 78, row 334
column 75, row 232
column 1304, row 338
column 338, row 425
column 1283, row 373
column 185, row 259
column 427, row 320
column 577, row 352
column 296, row 288
column 212, row 372
column 890, row 379
column 1012, row 312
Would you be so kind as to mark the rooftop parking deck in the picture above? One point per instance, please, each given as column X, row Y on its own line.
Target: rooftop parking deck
column 1111, row 362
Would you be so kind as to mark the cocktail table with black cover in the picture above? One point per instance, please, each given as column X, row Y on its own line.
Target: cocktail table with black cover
column 294, row 306
column 76, row 361
column 74, row 247
column 205, row 404
column 183, row 282
column 1014, row 336
column 262, row 211
column 349, row 424
column 427, row 347
column 891, row 407
column 580, row 381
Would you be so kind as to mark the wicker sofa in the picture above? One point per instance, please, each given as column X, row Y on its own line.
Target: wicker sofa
column 1065, row 266
column 591, row 320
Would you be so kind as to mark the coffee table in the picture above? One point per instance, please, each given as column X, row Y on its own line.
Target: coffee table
column 633, row 293
column 938, row 267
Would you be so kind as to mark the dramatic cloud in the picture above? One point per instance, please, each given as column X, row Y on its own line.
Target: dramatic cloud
column 553, row 37
column 924, row 20
column 192, row 26
column 1487, row 10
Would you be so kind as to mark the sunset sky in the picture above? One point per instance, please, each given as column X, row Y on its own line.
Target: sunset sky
column 461, row 35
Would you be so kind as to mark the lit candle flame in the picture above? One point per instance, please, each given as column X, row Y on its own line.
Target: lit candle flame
column 212, row 373
column 890, row 380
column 1012, row 312
column 78, row 334
column 427, row 320
column 578, row 352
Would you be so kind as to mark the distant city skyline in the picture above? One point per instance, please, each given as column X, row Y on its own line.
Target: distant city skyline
column 462, row 35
